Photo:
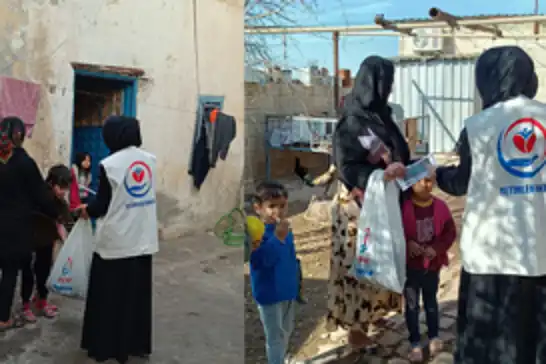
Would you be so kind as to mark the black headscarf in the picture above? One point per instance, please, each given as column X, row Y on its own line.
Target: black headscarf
column 120, row 132
column 503, row 73
column 366, row 111
column 372, row 87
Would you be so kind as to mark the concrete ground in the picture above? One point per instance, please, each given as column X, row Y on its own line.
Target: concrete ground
column 198, row 312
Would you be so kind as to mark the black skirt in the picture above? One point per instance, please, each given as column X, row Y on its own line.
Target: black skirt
column 501, row 320
column 118, row 312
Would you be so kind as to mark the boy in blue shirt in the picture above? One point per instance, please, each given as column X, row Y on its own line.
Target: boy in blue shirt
column 274, row 270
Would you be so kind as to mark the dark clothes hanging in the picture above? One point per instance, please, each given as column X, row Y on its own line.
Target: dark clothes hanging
column 225, row 129
column 213, row 135
column 118, row 309
column 200, row 162
column 501, row 318
column 366, row 109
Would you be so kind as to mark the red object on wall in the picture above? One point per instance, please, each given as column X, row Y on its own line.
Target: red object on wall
column 21, row 99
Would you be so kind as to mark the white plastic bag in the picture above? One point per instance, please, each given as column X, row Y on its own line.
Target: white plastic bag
column 70, row 273
column 381, row 245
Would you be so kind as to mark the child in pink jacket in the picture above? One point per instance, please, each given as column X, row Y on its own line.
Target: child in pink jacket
column 430, row 231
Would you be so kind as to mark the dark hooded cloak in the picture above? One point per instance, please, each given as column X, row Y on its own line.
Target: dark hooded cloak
column 118, row 132
column 366, row 110
column 501, row 318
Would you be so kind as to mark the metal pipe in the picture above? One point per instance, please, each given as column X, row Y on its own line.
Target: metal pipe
column 437, row 14
column 536, row 26
column 408, row 25
column 453, row 22
column 454, row 35
column 389, row 25
column 335, row 39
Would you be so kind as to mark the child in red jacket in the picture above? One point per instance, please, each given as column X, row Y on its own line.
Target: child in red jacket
column 430, row 231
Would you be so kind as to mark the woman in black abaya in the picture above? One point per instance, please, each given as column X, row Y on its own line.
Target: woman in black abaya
column 118, row 312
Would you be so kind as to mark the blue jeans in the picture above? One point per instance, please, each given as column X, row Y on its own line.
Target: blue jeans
column 426, row 283
column 278, row 323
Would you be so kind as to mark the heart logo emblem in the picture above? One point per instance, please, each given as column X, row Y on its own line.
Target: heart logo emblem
column 525, row 143
column 138, row 175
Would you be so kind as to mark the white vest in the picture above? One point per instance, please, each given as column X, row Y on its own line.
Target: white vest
column 504, row 223
column 129, row 228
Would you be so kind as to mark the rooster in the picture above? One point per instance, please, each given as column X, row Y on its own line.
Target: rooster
column 324, row 179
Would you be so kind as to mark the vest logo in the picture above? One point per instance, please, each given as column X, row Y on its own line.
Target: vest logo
column 521, row 148
column 138, row 179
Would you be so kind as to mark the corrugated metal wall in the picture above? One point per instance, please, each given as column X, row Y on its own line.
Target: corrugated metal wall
column 440, row 93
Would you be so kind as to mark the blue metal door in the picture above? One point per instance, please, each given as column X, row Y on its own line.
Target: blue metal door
column 88, row 138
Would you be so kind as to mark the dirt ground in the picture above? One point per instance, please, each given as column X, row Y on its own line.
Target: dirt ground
column 310, row 335
column 198, row 316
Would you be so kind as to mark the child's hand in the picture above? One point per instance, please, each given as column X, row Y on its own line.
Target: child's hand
column 430, row 253
column 282, row 229
column 82, row 209
column 415, row 249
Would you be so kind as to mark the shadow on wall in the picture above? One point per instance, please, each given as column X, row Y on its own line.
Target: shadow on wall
column 167, row 212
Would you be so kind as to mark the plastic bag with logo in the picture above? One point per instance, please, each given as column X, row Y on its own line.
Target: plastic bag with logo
column 381, row 247
column 70, row 273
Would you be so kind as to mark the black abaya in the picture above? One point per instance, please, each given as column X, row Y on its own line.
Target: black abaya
column 118, row 312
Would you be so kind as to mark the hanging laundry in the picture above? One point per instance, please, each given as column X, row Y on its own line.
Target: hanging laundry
column 223, row 130
column 20, row 98
column 213, row 135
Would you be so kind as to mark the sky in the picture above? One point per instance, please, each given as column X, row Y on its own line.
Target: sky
column 303, row 50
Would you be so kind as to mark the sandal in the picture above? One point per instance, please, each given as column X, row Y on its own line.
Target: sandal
column 436, row 346
column 27, row 314
column 416, row 355
column 15, row 323
column 46, row 309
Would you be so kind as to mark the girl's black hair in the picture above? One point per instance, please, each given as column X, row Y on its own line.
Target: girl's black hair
column 14, row 128
column 80, row 157
column 268, row 191
column 59, row 175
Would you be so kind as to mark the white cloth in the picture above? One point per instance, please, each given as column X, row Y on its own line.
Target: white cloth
column 504, row 224
column 130, row 226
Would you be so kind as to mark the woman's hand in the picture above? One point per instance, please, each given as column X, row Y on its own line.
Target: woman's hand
column 394, row 171
column 357, row 193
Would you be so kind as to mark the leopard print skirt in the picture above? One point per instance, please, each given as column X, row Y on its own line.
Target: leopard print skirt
column 352, row 304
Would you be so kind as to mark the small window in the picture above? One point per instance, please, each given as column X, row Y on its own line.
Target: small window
column 209, row 102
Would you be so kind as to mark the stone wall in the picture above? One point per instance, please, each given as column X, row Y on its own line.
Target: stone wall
column 281, row 99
